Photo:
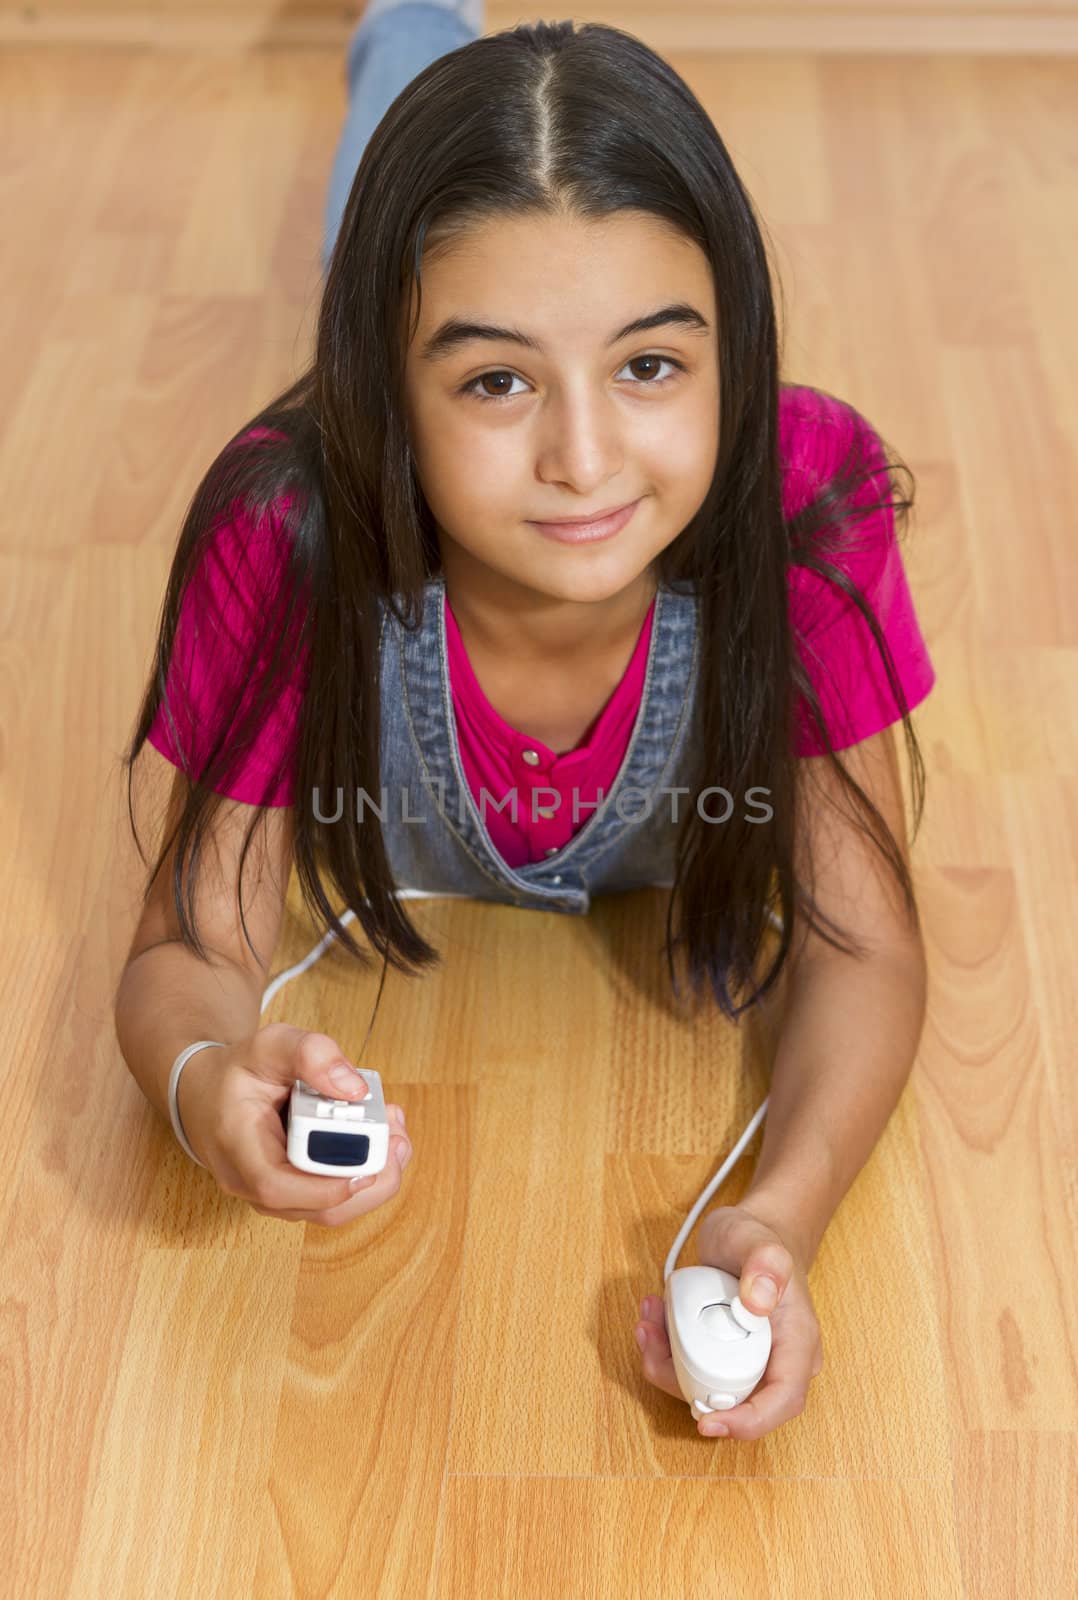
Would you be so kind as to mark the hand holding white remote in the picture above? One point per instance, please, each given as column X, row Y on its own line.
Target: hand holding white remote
column 720, row 1349
column 345, row 1138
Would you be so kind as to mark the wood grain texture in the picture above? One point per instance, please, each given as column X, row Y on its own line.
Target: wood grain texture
column 967, row 27
column 444, row 1399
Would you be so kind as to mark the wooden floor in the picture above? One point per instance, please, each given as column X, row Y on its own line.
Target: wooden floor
column 444, row 1400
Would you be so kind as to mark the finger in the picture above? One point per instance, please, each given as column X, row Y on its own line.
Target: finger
column 657, row 1361
column 400, row 1152
column 287, row 1053
column 282, row 1188
column 782, row 1393
column 764, row 1277
column 766, row 1408
column 741, row 1244
column 382, row 1187
column 369, row 1193
column 319, row 1062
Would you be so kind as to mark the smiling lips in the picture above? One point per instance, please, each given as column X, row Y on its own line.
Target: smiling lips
column 587, row 532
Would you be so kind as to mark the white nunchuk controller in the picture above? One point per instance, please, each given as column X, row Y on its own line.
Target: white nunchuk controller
column 343, row 1138
column 720, row 1348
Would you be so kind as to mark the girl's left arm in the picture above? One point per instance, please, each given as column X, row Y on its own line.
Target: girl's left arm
column 850, row 1027
column 849, row 1034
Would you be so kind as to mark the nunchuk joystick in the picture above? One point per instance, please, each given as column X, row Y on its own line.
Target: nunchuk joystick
column 720, row 1348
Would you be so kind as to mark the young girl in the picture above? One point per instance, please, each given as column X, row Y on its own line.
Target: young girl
column 539, row 584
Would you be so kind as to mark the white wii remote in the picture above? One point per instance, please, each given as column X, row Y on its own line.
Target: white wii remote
column 338, row 1137
column 720, row 1348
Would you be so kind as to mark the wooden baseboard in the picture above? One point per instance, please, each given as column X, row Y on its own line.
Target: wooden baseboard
column 870, row 27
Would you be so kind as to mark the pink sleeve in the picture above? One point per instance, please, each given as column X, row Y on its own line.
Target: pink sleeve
column 219, row 647
column 837, row 647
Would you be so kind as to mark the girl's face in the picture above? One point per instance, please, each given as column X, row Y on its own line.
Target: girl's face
column 584, row 419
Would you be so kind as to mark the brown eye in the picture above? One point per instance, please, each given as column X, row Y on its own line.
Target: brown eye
column 472, row 388
column 655, row 383
column 497, row 377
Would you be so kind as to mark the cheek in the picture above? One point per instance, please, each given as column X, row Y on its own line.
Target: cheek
column 681, row 458
column 469, row 474
column 468, row 469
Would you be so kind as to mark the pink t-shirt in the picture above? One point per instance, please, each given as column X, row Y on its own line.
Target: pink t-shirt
column 223, row 611
column 233, row 587
column 548, row 789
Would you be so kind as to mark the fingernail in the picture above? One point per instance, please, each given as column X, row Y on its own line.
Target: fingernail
column 346, row 1078
column 764, row 1291
column 641, row 1338
column 714, row 1430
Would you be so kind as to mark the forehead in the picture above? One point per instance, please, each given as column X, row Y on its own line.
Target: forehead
column 562, row 275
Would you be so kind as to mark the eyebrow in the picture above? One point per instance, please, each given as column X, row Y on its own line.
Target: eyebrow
column 455, row 332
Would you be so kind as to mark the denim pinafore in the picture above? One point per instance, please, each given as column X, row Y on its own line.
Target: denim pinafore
column 437, row 842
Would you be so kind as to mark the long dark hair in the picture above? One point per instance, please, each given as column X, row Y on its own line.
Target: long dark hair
column 587, row 120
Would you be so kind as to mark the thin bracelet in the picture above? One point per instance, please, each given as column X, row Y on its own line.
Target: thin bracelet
column 173, row 1085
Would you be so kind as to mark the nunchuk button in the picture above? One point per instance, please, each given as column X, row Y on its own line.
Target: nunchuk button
column 721, row 1402
column 745, row 1318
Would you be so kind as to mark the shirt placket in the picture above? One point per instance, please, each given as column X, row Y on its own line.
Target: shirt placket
column 545, row 818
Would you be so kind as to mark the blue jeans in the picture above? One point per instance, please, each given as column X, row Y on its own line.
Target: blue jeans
column 393, row 42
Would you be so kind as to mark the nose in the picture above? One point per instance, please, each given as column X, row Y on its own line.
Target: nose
column 581, row 442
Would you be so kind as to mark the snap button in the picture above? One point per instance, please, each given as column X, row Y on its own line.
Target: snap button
column 531, row 757
column 556, row 879
column 552, row 851
column 545, row 811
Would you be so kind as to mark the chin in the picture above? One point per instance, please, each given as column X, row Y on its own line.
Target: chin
column 590, row 588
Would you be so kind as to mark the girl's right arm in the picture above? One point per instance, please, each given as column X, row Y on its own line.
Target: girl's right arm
column 230, row 1100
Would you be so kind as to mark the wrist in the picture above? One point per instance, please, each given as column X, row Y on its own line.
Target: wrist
column 194, row 1095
